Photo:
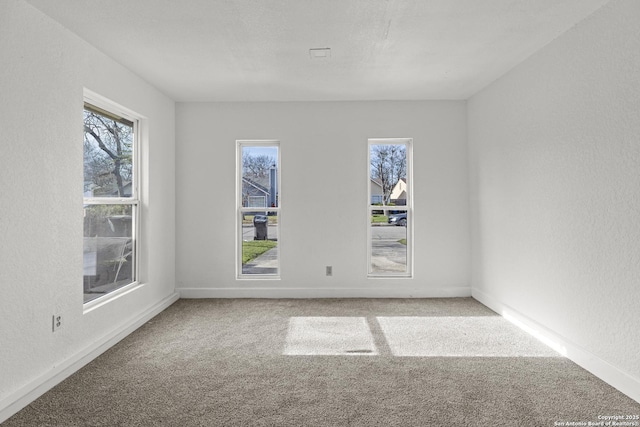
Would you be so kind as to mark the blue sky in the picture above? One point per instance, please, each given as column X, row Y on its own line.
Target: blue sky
column 270, row 151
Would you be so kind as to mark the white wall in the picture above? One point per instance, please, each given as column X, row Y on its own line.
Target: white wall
column 324, row 196
column 555, row 188
column 43, row 73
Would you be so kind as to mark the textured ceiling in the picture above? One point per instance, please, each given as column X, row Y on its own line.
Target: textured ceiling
column 258, row 50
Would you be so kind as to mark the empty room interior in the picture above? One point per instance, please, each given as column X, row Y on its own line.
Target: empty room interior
column 397, row 212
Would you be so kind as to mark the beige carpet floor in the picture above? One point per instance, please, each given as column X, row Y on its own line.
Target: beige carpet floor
column 327, row 362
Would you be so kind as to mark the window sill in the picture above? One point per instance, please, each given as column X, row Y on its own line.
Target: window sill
column 257, row 277
column 105, row 299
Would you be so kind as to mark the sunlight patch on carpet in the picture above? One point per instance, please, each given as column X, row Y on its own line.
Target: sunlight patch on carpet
column 329, row 336
column 487, row 336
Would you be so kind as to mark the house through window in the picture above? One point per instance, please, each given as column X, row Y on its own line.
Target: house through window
column 110, row 200
column 258, row 209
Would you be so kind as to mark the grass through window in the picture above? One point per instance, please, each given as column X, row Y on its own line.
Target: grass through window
column 254, row 248
column 375, row 218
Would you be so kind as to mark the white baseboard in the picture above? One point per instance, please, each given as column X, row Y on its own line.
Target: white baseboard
column 30, row 392
column 450, row 292
column 602, row 369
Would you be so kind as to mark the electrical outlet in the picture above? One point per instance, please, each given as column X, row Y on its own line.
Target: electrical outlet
column 57, row 322
column 329, row 270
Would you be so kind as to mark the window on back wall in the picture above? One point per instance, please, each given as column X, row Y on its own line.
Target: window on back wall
column 389, row 210
column 258, row 205
column 110, row 199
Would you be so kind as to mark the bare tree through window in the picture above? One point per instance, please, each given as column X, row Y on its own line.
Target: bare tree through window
column 388, row 166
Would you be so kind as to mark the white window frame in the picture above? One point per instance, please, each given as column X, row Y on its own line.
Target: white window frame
column 240, row 209
column 408, row 143
column 109, row 106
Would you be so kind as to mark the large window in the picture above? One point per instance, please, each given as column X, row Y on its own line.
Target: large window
column 389, row 210
column 110, row 199
column 258, row 202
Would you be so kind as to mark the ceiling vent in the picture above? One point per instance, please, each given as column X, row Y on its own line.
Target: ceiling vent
column 320, row 53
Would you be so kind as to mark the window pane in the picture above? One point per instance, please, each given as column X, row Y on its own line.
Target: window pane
column 389, row 207
column 389, row 242
column 388, row 174
column 108, row 249
column 108, row 155
column 259, row 243
column 260, row 176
